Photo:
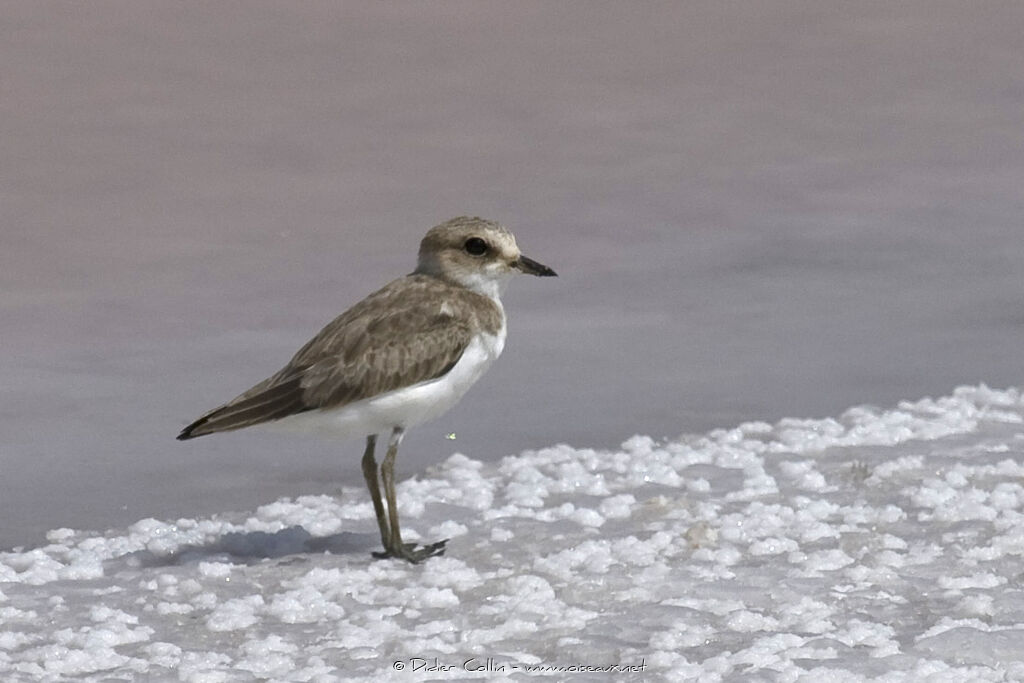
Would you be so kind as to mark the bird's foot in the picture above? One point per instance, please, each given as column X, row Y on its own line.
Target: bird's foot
column 409, row 552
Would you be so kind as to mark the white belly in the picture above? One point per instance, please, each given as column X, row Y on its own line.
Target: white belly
column 405, row 407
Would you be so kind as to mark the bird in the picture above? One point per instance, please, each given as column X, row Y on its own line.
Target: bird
column 403, row 355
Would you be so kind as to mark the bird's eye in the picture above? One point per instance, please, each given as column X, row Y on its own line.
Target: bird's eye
column 475, row 246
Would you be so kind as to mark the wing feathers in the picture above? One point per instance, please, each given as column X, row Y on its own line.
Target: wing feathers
column 362, row 353
column 271, row 403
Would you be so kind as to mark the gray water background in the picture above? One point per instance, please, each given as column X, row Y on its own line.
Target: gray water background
column 756, row 210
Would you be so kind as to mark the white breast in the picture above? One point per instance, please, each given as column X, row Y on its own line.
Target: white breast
column 408, row 406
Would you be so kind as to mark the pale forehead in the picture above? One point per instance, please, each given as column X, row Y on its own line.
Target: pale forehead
column 458, row 230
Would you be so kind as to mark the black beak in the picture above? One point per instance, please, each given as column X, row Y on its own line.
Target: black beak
column 531, row 267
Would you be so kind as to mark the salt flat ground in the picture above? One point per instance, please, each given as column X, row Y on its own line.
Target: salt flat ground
column 878, row 545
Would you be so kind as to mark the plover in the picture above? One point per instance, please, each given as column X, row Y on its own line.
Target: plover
column 401, row 356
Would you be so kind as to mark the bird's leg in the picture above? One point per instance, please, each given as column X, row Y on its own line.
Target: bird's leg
column 373, row 483
column 394, row 547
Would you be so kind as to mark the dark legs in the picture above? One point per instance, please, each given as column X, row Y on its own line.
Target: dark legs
column 370, row 474
column 390, row 533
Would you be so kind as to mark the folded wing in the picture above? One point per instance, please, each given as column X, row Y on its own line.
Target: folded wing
column 358, row 355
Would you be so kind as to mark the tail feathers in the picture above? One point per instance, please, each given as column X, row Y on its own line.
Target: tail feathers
column 268, row 404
